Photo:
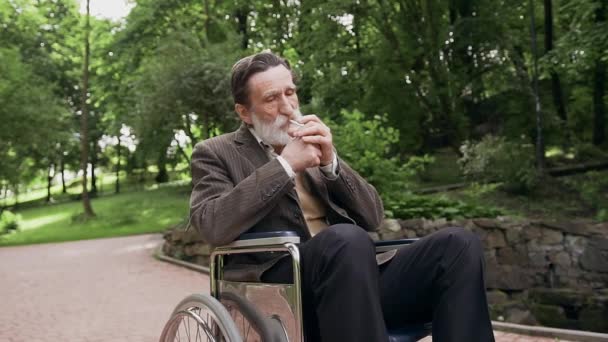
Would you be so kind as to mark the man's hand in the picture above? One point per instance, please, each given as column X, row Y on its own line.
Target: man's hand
column 315, row 132
column 301, row 155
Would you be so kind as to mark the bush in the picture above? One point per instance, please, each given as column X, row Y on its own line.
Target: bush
column 8, row 222
column 366, row 145
column 494, row 159
column 416, row 206
column 592, row 187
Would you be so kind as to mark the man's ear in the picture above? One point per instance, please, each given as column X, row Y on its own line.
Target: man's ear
column 243, row 113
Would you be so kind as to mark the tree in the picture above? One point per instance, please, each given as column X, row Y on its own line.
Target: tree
column 84, row 125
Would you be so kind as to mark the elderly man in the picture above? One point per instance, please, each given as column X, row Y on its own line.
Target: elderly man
column 280, row 171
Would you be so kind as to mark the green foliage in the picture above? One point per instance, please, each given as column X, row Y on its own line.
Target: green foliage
column 366, row 145
column 494, row 159
column 408, row 206
column 9, row 222
column 593, row 189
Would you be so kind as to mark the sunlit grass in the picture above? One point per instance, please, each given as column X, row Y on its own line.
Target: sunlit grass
column 117, row 215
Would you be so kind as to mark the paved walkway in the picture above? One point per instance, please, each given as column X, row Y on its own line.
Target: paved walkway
column 98, row 290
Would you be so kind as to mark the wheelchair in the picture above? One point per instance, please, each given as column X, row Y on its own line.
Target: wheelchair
column 252, row 311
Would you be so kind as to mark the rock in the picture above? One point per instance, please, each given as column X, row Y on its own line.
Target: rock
column 595, row 256
column 390, row 235
column 489, row 256
column 531, row 233
column 482, row 234
column 469, row 225
column 202, row 260
column 519, row 316
column 177, row 235
column 508, row 256
column 600, row 229
column 197, row 249
column 497, row 297
column 167, row 248
column 538, row 259
column 507, row 277
column 410, row 234
column 487, row 223
column 434, row 225
column 560, row 258
column 551, row 237
column 191, row 235
column 513, row 235
column 374, row 236
column 495, row 238
column 414, row 224
column 565, row 226
column 575, row 244
column 390, row 225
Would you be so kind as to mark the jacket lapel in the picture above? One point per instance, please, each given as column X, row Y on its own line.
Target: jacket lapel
column 249, row 147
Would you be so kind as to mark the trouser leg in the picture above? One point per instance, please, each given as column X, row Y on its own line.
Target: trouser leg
column 439, row 278
column 339, row 286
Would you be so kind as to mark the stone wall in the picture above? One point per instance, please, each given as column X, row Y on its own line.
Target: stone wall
column 537, row 272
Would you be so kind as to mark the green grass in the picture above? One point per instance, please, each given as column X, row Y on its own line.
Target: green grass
column 117, row 215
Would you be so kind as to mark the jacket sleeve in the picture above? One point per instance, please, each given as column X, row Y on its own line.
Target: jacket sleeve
column 222, row 210
column 355, row 195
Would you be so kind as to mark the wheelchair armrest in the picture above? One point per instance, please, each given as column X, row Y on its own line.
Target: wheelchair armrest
column 384, row 246
column 265, row 239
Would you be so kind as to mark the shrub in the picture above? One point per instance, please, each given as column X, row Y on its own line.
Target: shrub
column 8, row 222
column 592, row 187
column 416, row 206
column 494, row 159
column 366, row 145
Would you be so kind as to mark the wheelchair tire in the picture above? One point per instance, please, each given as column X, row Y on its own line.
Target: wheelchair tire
column 253, row 325
column 200, row 317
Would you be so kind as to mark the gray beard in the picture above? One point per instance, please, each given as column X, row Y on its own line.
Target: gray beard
column 273, row 133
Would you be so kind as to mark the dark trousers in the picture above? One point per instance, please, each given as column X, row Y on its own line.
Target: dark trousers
column 348, row 297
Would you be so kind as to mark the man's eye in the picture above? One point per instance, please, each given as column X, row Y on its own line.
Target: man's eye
column 269, row 99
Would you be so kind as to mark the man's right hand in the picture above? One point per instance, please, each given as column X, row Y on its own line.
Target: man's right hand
column 301, row 155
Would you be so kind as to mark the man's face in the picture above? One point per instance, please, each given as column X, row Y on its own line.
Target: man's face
column 273, row 102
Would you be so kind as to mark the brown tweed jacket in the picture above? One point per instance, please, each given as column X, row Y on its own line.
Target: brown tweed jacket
column 237, row 189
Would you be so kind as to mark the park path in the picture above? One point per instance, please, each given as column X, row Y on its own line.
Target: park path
column 98, row 290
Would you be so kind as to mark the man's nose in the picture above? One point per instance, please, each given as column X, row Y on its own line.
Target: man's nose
column 285, row 107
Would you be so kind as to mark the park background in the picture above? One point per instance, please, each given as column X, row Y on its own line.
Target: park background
column 455, row 110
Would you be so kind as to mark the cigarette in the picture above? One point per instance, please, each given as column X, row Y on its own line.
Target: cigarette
column 296, row 123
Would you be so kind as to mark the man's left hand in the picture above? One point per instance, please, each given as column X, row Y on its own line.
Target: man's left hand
column 316, row 132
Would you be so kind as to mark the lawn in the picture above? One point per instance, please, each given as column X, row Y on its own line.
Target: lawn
column 131, row 213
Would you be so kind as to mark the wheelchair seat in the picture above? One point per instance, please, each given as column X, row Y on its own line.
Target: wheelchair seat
column 287, row 241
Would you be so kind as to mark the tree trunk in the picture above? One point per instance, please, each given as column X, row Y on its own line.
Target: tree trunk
column 241, row 17
column 540, row 143
column 599, row 88
column 84, row 128
column 49, row 179
column 64, row 190
column 556, row 87
column 94, row 160
column 162, row 176
column 599, row 108
column 117, row 187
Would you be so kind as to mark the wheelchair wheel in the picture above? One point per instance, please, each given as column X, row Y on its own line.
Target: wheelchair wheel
column 200, row 318
column 252, row 325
